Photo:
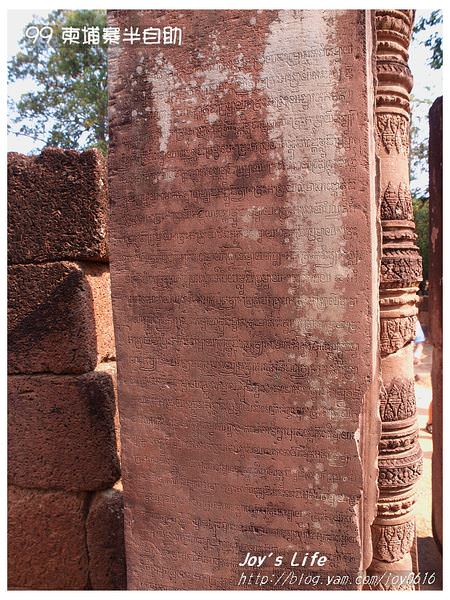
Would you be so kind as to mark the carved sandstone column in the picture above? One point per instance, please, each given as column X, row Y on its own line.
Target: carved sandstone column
column 400, row 456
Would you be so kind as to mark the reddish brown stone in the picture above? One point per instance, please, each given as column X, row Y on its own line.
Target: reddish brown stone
column 105, row 540
column 59, row 317
column 436, row 308
column 245, row 289
column 46, row 540
column 111, row 369
column 61, row 432
column 99, row 284
column 400, row 455
column 57, row 206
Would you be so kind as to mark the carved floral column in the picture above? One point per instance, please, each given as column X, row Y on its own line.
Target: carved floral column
column 400, row 456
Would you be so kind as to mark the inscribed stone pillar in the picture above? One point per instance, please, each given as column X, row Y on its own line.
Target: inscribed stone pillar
column 244, row 259
column 435, row 303
column 400, row 456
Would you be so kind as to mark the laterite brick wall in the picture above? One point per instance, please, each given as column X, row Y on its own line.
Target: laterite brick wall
column 65, row 521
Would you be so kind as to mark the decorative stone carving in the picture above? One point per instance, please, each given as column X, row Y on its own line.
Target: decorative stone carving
column 396, row 203
column 400, row 475
column 400, row 443
column 396, row 333
column 400, row 456
column 397, row 401
column 393, row 132
column 399, row 265
column 392, row 542
column 402, row 587
column 395, row 505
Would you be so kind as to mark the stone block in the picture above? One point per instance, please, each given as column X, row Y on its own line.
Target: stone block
column 57, row 206
column 105, row 540
column 46, row 540
column 59, row 317
column 61, row 432
column 111, row 369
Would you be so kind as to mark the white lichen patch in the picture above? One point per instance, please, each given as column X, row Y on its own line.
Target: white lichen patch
column 248, row 215
column 215, row 47
column 285, row 34
column 214, row 77
column 239, row 60
column 252, row 234
column 212, row 118
column 163, row 81
column 244, row 81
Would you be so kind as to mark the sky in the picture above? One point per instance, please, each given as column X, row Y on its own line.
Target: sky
column 424, row 77
column 17, row 22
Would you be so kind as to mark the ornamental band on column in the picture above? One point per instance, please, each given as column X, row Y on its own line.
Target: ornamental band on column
column 400, row 456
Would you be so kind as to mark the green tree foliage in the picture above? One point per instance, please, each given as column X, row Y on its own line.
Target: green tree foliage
column 426, row 31
column 67, row 106
column 434, row 40
column 430, row 27
column 421, row 218
column 418, row 157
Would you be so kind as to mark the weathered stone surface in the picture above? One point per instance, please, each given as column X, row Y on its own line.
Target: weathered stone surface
column 46, row 540
column 244, row 271
column 57, row 206
column 59, row 317
column 110, row 368
column 98, row 283
column 435, row 312
column 105, row 540
column 61, row 432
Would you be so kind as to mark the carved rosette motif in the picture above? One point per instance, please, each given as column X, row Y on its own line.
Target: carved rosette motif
column 400, row 456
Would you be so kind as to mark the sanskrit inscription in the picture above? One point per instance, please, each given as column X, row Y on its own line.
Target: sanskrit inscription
column 244, row 275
